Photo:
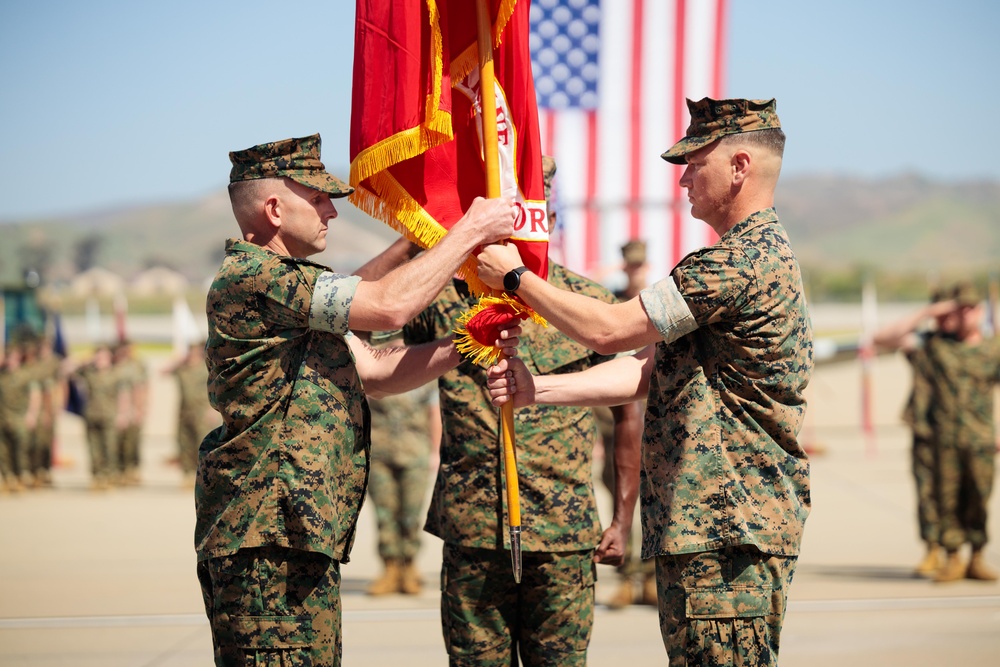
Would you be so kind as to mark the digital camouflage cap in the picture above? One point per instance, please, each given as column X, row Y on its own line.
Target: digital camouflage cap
column 966, row 294
column 548, row 171
column 297, row 159
column 634, row 252
column 713, row 119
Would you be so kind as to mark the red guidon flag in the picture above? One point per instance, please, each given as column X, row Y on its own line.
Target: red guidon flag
column 416, row 129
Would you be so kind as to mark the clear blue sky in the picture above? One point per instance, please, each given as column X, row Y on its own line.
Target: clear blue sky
column 107, row 102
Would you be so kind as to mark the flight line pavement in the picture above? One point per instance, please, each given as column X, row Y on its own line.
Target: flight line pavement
column 107, row 579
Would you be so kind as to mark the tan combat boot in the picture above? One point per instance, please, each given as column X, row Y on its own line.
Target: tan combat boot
column 952, row 570
column 931, row 562
column 978, row 569
column 623, row 597
column 410, row 582
column 388, row 583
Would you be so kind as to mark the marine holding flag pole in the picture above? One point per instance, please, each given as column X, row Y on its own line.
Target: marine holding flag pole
column 418, row 147
column 491, row 156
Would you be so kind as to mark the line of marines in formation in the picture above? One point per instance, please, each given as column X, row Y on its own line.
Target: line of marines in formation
column 109, row 391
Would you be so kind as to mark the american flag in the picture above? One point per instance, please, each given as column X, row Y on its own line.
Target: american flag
column 611, row 78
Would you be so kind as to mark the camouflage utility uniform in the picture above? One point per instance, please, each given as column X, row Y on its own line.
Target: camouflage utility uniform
column 961, row 419
column 15, row 394
column 399, row 470
column 632, row 565
column 924, row 454
column 101, row 387
column 280, row 483
column 192, row 385
column 487, row 618
column 724, row 482
column 46, row 371
column 134, row 378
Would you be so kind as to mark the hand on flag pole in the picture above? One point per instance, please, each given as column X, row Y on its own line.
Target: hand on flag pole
column 421, row 150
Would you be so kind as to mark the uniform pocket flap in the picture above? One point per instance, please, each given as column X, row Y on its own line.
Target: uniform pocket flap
column 263, row 632
column 728, row 602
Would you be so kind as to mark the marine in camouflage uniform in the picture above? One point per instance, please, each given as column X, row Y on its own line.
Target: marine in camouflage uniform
column 102, row 390
column 924, row 461
column 401, row 446
column 134, row 384
column 193, row 408
column 914, row 334
column 487, row 618
column 47, row 372
column 280, row 484
column 965, row 370
column 634, row 570
column 725, row 482
column 18, row 413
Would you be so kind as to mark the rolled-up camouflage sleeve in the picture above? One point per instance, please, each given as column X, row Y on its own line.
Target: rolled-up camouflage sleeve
column 331, row 302
column 667, row 310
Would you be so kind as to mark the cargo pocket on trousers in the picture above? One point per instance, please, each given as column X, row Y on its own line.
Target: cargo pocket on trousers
column 271, row 632
column 728, row 602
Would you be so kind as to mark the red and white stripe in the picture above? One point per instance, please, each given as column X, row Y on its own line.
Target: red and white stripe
column 611, row 183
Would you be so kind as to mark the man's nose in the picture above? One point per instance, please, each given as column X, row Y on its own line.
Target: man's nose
column 685, row 178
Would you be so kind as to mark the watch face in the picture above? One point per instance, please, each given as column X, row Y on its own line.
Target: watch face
column 511, row 281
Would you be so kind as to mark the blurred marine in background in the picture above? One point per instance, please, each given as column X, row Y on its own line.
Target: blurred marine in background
column 955, row 371
column 406, row 429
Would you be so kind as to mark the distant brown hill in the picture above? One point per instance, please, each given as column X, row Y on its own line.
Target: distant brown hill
column 900, row 225
column 188, row 237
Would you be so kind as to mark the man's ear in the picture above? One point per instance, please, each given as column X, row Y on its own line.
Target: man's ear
column 741, row 166
column 273, row 210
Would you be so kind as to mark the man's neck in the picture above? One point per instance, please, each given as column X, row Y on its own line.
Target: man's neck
column 738, row 214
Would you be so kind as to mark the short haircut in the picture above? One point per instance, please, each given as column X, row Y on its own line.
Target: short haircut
column 241, row 191
column 772, row 139
column 245, row 195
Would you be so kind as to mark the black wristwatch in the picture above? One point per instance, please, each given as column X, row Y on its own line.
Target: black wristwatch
column 512, row 279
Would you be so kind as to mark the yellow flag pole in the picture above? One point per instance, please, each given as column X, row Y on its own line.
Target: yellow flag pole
column 491, row 155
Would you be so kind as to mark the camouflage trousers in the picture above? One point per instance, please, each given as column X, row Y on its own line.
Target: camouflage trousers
column 925, row 474
column 42, row 437
column 398, row 491
column 964, row 488
column 190, row 431
column 723, row 608
column 102, row 443
column 14, row 460
column 490, row 621
column 128, row 447
column 273, row 607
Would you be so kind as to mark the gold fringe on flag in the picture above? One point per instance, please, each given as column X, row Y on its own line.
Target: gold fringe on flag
column 484, row 352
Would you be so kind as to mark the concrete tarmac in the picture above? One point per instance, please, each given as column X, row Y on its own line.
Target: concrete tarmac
column 107, row 579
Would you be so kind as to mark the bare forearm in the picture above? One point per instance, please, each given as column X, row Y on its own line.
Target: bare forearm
column 616, row 382
column 398, row 296
column 627, row 459
column 894, row 335
column 395, row 370
column 900, row 334
column 604, row 327
column 394, row 299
